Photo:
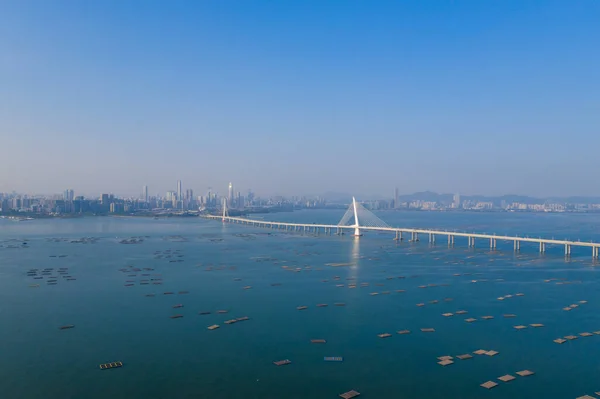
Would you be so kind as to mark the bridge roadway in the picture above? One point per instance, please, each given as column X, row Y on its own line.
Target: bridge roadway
column 327, row 229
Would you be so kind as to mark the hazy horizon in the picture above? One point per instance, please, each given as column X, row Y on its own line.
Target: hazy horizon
column 331, row 195
column 474, row 97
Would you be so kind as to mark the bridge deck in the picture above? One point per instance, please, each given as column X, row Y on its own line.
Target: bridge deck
column 411, row 230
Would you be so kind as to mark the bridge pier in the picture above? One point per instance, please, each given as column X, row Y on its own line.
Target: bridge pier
column 315, row 229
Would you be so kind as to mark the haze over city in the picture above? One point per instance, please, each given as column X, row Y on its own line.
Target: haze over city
column 300, row 98
column 299, row 199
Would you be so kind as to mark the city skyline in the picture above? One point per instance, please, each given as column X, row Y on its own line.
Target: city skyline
column 231, row 195
column 463, row 96
column 181, row 190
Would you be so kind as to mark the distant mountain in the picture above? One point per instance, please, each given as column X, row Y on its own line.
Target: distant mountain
column 508, row 198
column 334, row 197
column 430, row 196
column 576, row 200
column 345, row 198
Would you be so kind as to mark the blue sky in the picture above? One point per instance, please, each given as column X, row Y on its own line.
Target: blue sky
column 486, row 97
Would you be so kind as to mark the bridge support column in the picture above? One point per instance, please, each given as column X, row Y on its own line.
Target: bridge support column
column 450, row 240
column 517, row 245
column 567, row 250
column 594, row 252
column 397, row 236
column 471, row 241
column 492, row 243
column 542, row 247
column 431, row 238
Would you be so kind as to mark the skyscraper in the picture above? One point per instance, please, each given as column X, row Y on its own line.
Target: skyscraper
column 230, row 195
column 69, row 195
column 145, row 193
column 396, row 202
column 456, row 203
column 189, row 194
column 179, row 191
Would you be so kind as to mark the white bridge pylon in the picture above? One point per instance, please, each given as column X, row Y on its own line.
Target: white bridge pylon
column 357, row 215
column 225, row 212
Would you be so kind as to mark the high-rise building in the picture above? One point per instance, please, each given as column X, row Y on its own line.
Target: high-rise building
column 456, row 202
column 230, row 195
column 145, row 193
column 104, row 199
column 396, row 201
column 209, row 197
column 179, row 190
column 170, row 196
column 69, row 195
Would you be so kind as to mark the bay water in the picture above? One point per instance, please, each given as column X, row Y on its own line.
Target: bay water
column 265, row 275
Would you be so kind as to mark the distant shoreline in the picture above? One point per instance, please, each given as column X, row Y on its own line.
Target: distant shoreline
column 30, row 216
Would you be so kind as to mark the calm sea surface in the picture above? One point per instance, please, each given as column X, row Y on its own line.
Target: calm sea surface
column 181, row 358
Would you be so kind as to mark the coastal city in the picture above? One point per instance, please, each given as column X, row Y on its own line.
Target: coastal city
column 299, row 199
column 182, row 201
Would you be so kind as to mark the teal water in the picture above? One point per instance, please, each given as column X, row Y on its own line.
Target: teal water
column 181, row 358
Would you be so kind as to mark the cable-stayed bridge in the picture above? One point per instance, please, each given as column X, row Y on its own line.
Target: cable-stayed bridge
column 358, row 219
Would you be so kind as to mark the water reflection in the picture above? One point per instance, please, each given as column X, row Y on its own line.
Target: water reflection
column 354, row 256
